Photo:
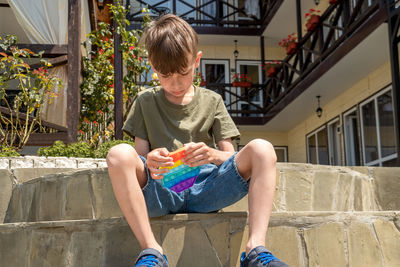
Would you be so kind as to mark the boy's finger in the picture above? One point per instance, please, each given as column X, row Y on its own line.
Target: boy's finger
column 164, row 152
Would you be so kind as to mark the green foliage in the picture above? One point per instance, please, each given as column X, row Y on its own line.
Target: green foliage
column 36, row 86
column 103, row 149
column 59, row 149
column 8, row 152
column 79, row 149
column 97, row 88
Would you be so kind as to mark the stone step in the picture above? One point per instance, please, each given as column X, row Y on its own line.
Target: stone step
column 88, row 194
column 206, row 240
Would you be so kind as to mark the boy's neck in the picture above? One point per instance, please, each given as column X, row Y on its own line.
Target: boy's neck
column 181, row 100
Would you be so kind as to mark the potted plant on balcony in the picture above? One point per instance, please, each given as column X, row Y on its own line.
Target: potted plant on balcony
column 241, row 80
column 312, row 19
column 290, row 43
column 271, row 68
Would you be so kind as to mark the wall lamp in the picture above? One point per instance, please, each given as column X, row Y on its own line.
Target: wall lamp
column 319, row 109
column 236, row 52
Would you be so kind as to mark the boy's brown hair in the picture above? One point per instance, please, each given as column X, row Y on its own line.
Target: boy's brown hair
column 172, row 44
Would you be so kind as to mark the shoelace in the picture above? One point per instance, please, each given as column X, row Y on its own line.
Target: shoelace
column 149, row 260
column 265, row 258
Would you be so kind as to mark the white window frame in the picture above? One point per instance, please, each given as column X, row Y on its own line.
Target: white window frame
column 346, row 137
column 330, row 145
column 250, row 63
column 285, row 151
column 380, row 160
column 225, row 62
column 315, row 133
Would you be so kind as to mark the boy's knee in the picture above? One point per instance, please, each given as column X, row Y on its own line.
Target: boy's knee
column 263, row 149
column 121, row 154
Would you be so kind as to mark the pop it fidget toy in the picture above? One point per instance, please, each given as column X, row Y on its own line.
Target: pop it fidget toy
column 180, row 176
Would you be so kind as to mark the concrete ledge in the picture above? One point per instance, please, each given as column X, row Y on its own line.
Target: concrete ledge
column 300, row 238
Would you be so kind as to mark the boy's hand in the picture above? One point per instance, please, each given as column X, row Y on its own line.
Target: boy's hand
column 197, row 154
column 156, row 159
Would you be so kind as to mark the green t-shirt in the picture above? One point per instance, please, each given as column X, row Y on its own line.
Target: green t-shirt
column 164, row 124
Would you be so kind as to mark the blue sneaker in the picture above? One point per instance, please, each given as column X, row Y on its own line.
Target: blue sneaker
column 151, row 257
column 260, row 256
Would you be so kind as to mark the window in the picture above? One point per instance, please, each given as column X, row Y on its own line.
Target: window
column 334, row 137
column 254, row 71
column 281, row 153
column 216, row 71
column 351, row 138
column 377, row 129
column 317, row 147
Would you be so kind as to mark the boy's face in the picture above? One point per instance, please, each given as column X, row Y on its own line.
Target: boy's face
column 178, row 85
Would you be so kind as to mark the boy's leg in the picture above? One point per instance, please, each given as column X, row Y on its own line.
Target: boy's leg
column 128, row 177
column 258, row 161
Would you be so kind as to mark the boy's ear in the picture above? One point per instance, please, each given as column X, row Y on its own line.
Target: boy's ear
column 198, row 57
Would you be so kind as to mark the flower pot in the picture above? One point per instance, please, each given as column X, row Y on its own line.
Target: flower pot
column 203, row 83
column 241, row 84
column 332, row 2
column 291, row 48
column 271, row 72
column 312, row 22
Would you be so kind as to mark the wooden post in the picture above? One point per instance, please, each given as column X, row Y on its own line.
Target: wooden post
column 299, row 32
column 262, row 52
column 74, row 68
column 118, row 95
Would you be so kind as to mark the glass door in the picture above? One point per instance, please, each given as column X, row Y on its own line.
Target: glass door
column 335, row 148
column 216, row 71
column 351, row 139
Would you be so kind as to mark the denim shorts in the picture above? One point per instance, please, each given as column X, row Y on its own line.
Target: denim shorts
column 216, row 187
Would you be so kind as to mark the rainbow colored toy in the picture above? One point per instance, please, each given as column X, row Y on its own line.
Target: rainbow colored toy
column 180, row 176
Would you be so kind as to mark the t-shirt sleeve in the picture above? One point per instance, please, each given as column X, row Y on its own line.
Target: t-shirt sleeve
column 223, row 126
column 135, row 124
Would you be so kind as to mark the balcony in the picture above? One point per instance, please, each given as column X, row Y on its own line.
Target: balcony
column 239, row 17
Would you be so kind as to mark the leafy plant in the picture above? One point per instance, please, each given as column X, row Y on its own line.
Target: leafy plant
column 241, row 78
column 97, row 88
column 59, row 149
column 285, row 42
column 20, row 116
column 8, row 152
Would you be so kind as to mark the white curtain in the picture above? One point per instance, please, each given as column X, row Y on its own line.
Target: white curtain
column 46, row 22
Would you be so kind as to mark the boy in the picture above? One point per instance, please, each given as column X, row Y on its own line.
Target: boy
column 176, row 115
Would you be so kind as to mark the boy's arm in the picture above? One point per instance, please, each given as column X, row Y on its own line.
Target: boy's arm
column 142, row 146
column 199, row 153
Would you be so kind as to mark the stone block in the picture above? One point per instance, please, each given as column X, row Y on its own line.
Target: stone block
column 105, row 204
column 298, row 190
column 21, row 162
column 121, row 247
column 43, row 162
column 186, row 244
column 24, row 204
column 64, row 162
column 14, row 247
column 86, row 163
column 387, row 187
column 102, row 164
column 6, row 182
column 324, row 189
column 48, row 247
column 78, row 204
column 26, row 174
column 357, row 195
column 342, row 200
column 86, row 249
column 389, row 240
column 52, row 199
column 4, row 163
column 325, row 245
column 237, row 245
column 283, row 242
column 218, row 235
column 363, row 246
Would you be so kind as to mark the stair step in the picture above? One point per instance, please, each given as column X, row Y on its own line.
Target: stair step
column 300, row 238
column 88, row 194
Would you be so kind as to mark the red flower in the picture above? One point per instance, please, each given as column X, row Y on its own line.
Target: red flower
column 101, row 51
column 112, row 55
column 112, row 85
column 131, row 47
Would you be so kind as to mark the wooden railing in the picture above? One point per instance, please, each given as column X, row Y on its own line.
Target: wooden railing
column 209, row 16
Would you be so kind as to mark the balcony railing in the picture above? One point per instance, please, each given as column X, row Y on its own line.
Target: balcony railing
column 341, row 28
column 210, row 16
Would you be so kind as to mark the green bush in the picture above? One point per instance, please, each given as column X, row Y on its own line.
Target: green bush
column 59, row 149
column 79, row 149
column 8, row 152
column 103, row 149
